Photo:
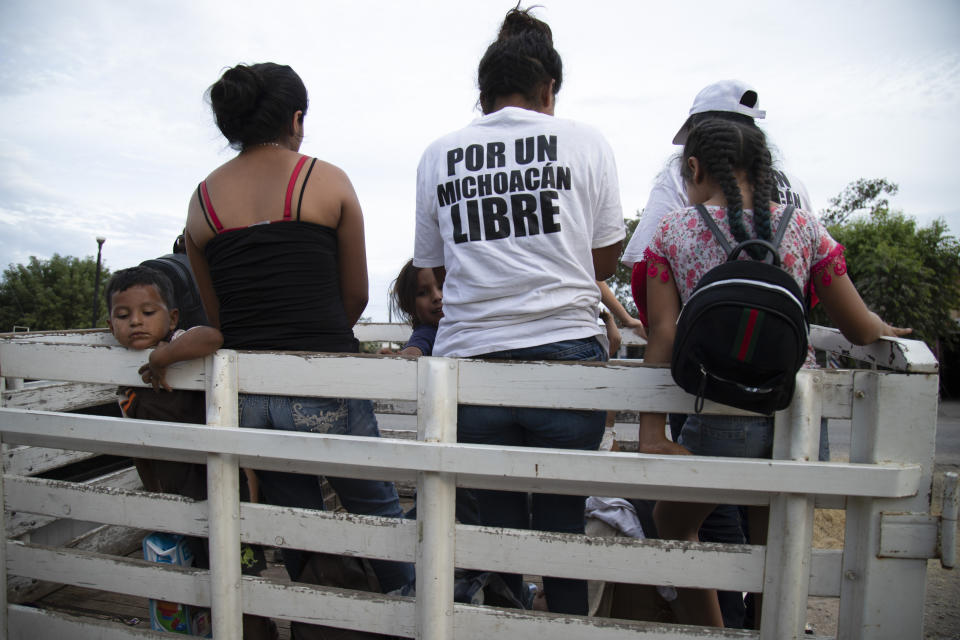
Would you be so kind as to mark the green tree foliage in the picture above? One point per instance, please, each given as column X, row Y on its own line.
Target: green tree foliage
column 859, row 196
column 619, row 283
column 908, row 274
column 54, row 294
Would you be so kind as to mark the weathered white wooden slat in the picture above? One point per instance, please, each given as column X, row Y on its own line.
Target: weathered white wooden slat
column 24, row 521
column 825, row 572
column 75, row 336
column 436, row 497
column 899, row 354
column 100, row 364
column 482, row 623
column 28, row 461
column 110, row 573
column 31, row 623
column 340, row 533
column 60, row 396
column 619, row 559
column 895, row 420
column 548, row 470
column 329, row 375
column 908, row 535
column 616, row 386
column 362, row 611
column 787, row 575
column 105, row 539
column 656, row 562
column 105, row 504
column 223, row 496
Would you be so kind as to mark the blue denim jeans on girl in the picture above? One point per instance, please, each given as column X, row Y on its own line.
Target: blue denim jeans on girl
column 368, row 497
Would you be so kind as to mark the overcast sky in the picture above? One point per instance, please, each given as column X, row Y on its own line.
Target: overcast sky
column 104, row 129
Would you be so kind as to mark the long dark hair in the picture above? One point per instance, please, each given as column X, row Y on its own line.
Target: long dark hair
column 254, row 104
column 723, row 146
column 521, row 60
column 403, row 294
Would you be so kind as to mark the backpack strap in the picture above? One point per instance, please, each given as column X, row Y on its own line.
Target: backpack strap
column 782, row 229
column 714, row 229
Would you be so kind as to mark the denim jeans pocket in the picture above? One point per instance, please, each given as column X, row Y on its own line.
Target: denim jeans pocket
column 584, row 349
column 728, row 436
column 320, row 415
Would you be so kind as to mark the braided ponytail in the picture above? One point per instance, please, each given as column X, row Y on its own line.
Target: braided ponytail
column 760, row 174
column 723, row 147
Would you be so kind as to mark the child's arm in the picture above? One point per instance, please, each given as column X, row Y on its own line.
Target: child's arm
column 195, row 343
column 610, row 302
column 848, row 311
column 663, row 305
column 613, row 333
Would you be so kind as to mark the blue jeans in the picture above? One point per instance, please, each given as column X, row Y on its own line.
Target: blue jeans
column 741, row 437
column 524, row 427
column 737, row 436
column 729, row 436
column 368, row 497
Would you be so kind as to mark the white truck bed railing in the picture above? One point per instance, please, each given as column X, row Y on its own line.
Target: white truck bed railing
column 879, row 576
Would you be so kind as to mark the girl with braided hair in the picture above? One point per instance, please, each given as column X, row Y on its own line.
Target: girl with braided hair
column 727, row 168
column 520, row 213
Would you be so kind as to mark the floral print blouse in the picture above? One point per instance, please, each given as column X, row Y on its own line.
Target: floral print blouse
column 686, row 245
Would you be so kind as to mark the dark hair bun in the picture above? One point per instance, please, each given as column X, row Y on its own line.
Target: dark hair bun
column 254, row 104
column 521, row 60
column 519, row 22
column 234, row 98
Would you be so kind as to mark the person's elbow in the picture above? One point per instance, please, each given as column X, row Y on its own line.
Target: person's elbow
column 354, row 304
column 209, row 338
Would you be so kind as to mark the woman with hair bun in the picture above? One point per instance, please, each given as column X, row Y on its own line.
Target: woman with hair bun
column 520, row 214
column 277, row 245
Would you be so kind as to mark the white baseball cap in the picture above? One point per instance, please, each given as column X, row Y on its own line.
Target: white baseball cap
column 734, row 96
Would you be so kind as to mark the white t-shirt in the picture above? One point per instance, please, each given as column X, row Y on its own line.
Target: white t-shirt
column 512, row 206
column 668, row 195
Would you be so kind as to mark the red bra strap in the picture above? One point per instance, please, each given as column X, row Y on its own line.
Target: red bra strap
column 293, row 180
column 208, row 209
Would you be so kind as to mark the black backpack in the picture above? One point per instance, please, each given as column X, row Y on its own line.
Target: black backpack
column 176, row 266
column 742, row 335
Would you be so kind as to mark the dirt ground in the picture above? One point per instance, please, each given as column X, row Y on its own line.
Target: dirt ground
column 942, row 603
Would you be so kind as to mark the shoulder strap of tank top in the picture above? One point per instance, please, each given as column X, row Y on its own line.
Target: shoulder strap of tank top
column 207, row 207
column 304, row 185
column 293, row 180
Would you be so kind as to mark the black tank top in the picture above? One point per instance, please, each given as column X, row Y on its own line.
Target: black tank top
column 278, row 283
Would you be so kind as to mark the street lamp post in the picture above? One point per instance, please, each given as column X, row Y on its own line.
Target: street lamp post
column 96, row 283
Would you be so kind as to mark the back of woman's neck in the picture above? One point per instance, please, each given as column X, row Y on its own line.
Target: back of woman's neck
column 520, row 101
